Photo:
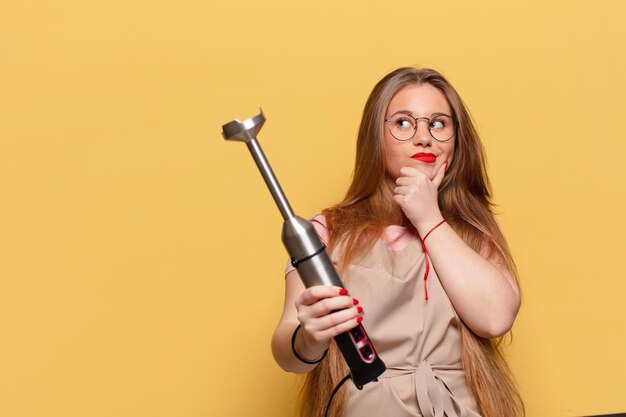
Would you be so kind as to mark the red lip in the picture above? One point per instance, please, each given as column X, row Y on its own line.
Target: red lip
column 429, row 158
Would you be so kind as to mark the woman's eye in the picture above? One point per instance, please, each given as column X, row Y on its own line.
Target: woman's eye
column 404, row 124
column 437, row 124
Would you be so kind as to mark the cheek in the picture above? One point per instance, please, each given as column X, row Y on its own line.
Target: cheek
column 393, row 163
column 391, row 155
column 449, row 151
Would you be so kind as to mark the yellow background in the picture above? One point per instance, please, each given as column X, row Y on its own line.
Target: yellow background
column 140, row 254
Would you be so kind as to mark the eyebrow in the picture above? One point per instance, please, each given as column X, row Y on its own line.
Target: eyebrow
column 408, row 113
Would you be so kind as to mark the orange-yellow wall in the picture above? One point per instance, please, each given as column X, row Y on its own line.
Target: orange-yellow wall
column 140, row 254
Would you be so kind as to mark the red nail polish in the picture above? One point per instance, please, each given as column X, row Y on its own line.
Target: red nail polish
column 355, row 301
column 446, row 168
column 343, row 291
column 359, row 319
column 359, row 309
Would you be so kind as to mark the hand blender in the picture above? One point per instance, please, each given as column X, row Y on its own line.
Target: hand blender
column 308, row 255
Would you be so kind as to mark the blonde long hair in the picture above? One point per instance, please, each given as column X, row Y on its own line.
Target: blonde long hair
column 465, row 202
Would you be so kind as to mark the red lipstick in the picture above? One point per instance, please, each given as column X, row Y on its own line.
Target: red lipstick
column 429, row 158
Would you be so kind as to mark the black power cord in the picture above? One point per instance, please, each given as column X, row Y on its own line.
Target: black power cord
column 330, row 400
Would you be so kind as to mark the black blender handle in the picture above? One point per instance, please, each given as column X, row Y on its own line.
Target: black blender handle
column 317, row 269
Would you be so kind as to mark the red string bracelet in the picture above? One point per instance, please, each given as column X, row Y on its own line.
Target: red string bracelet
column 426, row 256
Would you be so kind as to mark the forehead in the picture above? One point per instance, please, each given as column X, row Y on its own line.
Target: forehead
column 420, row 100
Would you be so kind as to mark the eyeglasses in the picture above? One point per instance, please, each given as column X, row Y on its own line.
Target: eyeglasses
column 403, row 126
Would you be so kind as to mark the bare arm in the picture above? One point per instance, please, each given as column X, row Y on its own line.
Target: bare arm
column 323, row 311
column 480, row 287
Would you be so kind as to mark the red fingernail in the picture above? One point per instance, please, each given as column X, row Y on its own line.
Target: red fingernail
column 446, row 168
column 355, row 301
column 343, row 291
column 359, row 319
column 359, row 309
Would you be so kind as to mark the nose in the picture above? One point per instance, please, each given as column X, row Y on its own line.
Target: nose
column 422, row 134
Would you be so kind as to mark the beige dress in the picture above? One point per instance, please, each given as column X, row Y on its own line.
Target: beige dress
column 418, row 339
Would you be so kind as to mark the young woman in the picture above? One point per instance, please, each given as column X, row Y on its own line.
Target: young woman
column 415, row 239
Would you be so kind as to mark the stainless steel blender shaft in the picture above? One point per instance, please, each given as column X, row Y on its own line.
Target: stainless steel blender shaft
column 246, row 131
column 299, row 236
